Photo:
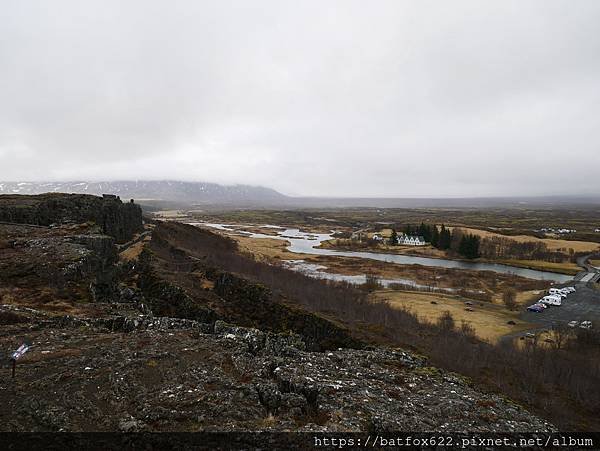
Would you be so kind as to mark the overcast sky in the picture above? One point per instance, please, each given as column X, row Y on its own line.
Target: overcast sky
column 342, row 98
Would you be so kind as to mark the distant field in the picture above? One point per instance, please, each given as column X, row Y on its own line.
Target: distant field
column 266, row 248
column 171, row 214
column 520, row 220
column 489, row 321
column 425, row 251
column 552, row 243
column 562, row 268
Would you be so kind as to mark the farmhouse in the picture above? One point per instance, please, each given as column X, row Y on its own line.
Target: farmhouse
column 408, row 240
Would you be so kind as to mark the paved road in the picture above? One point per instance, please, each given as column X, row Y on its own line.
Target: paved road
column 590, row 273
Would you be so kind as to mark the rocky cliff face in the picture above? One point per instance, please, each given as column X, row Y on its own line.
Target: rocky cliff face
column 230, row 297
column 115, row 218
column 38, row 257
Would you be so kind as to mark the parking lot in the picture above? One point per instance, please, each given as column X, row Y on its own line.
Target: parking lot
column 582, row 305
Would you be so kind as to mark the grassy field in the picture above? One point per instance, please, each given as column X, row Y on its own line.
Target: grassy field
column 552, row 243
column 133, row 252
column 563, row 268
column 265, row 249
column 171, row 214
column 488, row 320
column 423, row 251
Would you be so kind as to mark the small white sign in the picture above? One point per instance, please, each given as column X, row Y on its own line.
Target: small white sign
column 19, row 352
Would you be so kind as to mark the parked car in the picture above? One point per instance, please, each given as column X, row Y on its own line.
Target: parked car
column 537, row 308
column 573, row 323
column 586, row 325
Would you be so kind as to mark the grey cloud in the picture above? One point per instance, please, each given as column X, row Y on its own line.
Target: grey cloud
column 339, row 98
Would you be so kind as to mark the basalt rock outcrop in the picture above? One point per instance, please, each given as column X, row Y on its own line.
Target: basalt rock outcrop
column 165, row 374
column 113, row 217
column 37, row 257
column 199, row 291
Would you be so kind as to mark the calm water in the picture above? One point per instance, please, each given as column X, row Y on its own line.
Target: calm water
column 307, row 243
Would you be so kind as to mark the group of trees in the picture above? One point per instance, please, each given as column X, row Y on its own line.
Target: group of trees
column 505, row 248
column 468, row 245
column 441, row 237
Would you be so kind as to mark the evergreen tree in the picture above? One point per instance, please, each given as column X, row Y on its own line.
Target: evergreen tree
column 445, row 239
column 475, row 241
column 463, row 246
column 423, row 231
column 469, row 246
column 394, row 238
column 435, row 236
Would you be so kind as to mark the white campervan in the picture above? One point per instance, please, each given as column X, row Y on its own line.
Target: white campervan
column 551, row 300
column 558, row 292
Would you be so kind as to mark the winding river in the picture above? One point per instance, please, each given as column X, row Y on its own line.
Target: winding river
column 307, row 243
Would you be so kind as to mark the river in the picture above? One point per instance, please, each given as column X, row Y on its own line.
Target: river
column 307, row 243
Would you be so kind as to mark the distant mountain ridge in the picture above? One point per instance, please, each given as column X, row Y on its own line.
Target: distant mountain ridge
column 163, row 190
column 179, row 194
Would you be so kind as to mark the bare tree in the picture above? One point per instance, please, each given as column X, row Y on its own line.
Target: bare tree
column 509, row 297
column 446, row 322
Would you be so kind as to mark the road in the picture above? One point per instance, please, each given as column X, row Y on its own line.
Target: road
column 590, row 273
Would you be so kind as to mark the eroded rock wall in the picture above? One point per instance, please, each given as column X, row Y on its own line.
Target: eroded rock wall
column 113, row 217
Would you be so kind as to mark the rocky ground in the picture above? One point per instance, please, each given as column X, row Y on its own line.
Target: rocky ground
column 135, row 372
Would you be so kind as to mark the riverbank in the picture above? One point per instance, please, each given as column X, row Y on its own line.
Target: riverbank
column 559, row 268
column 566, row 268
column 303, row 243
column 480, row 285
